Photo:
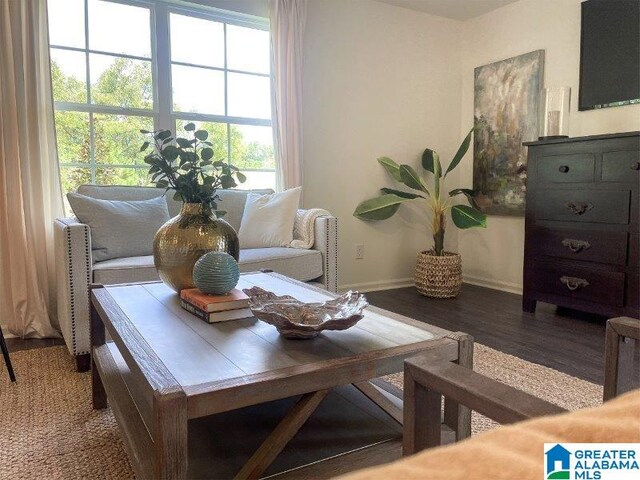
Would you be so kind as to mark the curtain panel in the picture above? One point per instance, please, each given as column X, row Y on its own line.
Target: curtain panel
column 30, row 193
column 287, row 19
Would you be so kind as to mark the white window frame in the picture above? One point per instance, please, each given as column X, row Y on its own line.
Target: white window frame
column 162, row 112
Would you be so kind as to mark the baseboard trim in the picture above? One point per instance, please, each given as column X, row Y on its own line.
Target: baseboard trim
column 492, row 283
column 379, row 285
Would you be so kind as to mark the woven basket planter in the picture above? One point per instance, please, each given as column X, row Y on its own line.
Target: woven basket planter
column 438, row 276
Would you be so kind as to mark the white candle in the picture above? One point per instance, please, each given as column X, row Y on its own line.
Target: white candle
column 553, row 123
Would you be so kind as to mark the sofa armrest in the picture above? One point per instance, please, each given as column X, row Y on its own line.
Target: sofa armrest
column 74, row 275
column 326, row 241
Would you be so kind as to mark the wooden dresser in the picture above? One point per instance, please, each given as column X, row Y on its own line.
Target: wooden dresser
column 581, row 227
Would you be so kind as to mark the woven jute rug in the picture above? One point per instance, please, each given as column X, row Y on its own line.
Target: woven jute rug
column 49, row 430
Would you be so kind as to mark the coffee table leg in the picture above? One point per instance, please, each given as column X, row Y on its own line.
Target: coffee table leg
column 283, row 433
column 98, row 393
column 458, row 417
column 170, row 434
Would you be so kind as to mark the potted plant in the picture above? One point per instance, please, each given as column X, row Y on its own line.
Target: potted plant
column 187, row 167
column 438, row 273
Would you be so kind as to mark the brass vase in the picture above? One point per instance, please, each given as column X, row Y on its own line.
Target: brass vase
column 185, row 238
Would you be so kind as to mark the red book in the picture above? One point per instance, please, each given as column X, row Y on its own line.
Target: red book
column 233, row 300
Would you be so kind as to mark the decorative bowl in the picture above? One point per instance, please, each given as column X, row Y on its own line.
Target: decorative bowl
column 296, row 319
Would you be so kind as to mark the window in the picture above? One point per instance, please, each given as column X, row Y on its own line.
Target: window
column 119, row 66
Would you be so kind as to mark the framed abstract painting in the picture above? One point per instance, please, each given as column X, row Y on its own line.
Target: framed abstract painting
column 507, row 97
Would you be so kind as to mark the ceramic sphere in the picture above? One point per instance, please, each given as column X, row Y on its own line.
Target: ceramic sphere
column 216, row 273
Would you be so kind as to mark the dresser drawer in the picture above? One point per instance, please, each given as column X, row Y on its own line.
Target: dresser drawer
column 566, row 168
column 634, row 250
column 585, row 245
column 621, row 166
column 633, row 291
column 580, row 283
column 575, row 205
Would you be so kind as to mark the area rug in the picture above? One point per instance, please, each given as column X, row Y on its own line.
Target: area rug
column 49, row 430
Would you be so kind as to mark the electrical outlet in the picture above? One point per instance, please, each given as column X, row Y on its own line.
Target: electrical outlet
column 359, row 251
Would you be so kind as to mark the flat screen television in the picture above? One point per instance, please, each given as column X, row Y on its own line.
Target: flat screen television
column 609, row 54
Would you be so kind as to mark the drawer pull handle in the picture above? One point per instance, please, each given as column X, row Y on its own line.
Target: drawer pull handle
column 576, row 246
column 574, row 283
column 635, row 166
column 563, row 168
column 579, row 208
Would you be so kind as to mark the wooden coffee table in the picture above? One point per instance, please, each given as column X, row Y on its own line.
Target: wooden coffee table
column 163, row 367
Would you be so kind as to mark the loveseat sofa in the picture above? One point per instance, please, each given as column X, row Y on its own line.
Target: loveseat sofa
column 76, row 269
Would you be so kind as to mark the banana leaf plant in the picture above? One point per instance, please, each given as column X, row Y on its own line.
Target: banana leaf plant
column 388, row 203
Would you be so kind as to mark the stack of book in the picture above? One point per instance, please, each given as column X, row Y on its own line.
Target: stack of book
column 216, row 308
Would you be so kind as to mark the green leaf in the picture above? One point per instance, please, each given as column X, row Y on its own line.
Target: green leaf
column 206, row 153
column 220, row 213
column 411, row 179
column 219, row 163
column 144, row 146
column 170, row 152
column 183, row 142
column 390, row 166
column 145, row 132
column 400, row 193
column 162, row 134
column 241, row 177
column 462, row 150
column 379, row 208
column 431, row 162
column 177, row 196
column 202, row 135
column 467, row 192
column 189, row 127
column 464, row 216
column 227, row 181
column 162, row 184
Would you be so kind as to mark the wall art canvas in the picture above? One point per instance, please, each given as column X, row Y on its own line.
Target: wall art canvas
column 506, row 113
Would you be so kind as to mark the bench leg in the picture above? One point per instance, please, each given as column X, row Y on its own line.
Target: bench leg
column 456, row 416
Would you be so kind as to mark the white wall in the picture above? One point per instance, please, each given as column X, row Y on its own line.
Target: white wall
column 494, row 256
column 378, row 80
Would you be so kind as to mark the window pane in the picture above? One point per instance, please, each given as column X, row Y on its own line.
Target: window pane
column 249, row 96
column 118, row 28
column 258, row 180
column 197, row 90
column 121, row 82
column 197, row 41
column 217, row 136
column 72, row 177
column 122, row 176
column 72, row 133
column 66, row 23
column 118, row 138
column 68, row 76
column 252, row 147
column 248, row 49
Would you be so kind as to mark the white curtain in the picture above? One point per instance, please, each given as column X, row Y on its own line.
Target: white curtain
column 287, row 19
column 30, row 196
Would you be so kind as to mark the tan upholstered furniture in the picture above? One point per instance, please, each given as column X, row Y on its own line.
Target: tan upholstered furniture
column 76, row 269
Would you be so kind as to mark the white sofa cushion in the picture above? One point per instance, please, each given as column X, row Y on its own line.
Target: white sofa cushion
column 303, row 265
column 268, row 219
column 120, row 228
column 125, row 270
column 231, row 201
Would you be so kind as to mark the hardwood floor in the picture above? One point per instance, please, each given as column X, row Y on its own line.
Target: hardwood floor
column 568, row 341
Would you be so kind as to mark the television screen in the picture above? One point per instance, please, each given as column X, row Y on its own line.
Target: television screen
column 609, row 53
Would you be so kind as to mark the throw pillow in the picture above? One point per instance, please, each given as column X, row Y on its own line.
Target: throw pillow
column 268, row 219
column 120, row 228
